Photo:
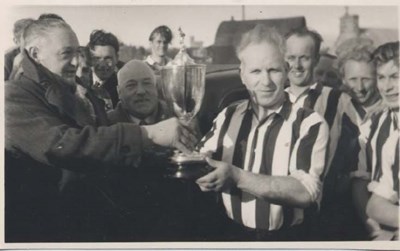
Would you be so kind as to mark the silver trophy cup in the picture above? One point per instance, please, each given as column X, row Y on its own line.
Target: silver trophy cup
column 183, row 87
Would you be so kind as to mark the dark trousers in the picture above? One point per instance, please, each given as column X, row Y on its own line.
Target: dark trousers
column 237, row 232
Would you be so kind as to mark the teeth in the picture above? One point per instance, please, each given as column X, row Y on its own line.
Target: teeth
column 297, row 74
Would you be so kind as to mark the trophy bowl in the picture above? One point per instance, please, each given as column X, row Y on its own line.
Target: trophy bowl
column 183, row 87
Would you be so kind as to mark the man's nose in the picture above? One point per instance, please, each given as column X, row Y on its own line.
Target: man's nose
column 266, row 78
column 384, row 85
column 140, row 89
column 359, row 86
column 297, row 63
column 75, row 61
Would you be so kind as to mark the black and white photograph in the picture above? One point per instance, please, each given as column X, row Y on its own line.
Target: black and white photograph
column 228, row 124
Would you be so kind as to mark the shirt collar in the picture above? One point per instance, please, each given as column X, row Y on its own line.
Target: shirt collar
column 151, row 61
column 284, row 110
column 315, row 87
column 97, row 79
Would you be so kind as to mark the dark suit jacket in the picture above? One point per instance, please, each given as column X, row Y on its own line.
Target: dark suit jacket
column 52, row 142
column 111, row 87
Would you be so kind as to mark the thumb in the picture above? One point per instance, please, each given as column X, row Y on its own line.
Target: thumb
column 213, row 163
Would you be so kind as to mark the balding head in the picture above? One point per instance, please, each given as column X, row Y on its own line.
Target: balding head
column 137, row 89
column 135, row 69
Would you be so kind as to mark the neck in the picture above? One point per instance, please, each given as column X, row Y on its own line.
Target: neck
column 158, row 59
column 298, row 90
column 372, row 101
column 263, row 112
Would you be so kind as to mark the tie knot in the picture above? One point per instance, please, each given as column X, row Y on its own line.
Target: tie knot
column 142, row 122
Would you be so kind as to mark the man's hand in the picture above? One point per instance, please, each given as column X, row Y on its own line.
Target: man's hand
column 223, row 177
column 171, row 133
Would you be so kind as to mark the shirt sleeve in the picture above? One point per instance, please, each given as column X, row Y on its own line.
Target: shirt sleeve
column 385, row 186
column 209, row 143
column 308, row 159
column 47, row 136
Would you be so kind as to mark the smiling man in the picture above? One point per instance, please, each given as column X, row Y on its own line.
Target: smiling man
column 159, row 40
column 359, row 78
column 269, row 156
column 383, row 146
column 56, row 151
column 302, row 55
column 104, row 49
column 139, row 102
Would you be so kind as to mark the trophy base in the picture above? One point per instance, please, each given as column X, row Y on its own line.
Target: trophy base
column 190, row 167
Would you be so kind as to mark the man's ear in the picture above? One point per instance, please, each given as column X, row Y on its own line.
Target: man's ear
column 241, row 74
column 33, row 52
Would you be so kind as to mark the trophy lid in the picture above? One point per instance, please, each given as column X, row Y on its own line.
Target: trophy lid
column 182, row 58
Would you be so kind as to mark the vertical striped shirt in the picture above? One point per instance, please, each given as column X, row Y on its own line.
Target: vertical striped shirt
column 365, row 118
column 331, row 104
column 290, row 141
column 383, row 155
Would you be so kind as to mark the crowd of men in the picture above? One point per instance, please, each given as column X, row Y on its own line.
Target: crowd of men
column 86, row 136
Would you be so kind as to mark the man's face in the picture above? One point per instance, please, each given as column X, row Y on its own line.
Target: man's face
column 159, row 46
column 104, row 60
column 139, row 96
column 301, row 59
column 58, row 52
column 83, row 71
column 360, row 79
column 263, row 73
column 388, row 83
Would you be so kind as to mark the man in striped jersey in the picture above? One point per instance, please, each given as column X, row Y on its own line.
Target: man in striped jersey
column 302, row 55
column 359, row 77
column 269, row 157
column 383, row 145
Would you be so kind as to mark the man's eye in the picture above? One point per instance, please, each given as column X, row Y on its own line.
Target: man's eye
column 255, row 71
column 274, row 70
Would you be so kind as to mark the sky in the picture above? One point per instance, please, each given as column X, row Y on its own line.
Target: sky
column 132, row 24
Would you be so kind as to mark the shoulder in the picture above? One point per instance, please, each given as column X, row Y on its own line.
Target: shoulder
column 234, row 108
column 307, row 118
column 22, row 85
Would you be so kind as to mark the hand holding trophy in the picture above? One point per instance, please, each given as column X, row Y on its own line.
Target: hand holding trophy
column 183, row 83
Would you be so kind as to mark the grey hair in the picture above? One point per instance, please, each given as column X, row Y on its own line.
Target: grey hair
column 260, row 34
column 41, row 28
column 357, row 53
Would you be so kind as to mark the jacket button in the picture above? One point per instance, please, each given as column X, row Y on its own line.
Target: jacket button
column 125, row 149
column 59, row 147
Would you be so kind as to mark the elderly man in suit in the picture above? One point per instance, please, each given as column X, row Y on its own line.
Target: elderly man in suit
column 139, row 101
column 57, row 148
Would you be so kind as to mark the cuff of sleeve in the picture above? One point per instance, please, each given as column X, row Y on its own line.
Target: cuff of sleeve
column 312, row 184
column 385, row 192
column 361, row 175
